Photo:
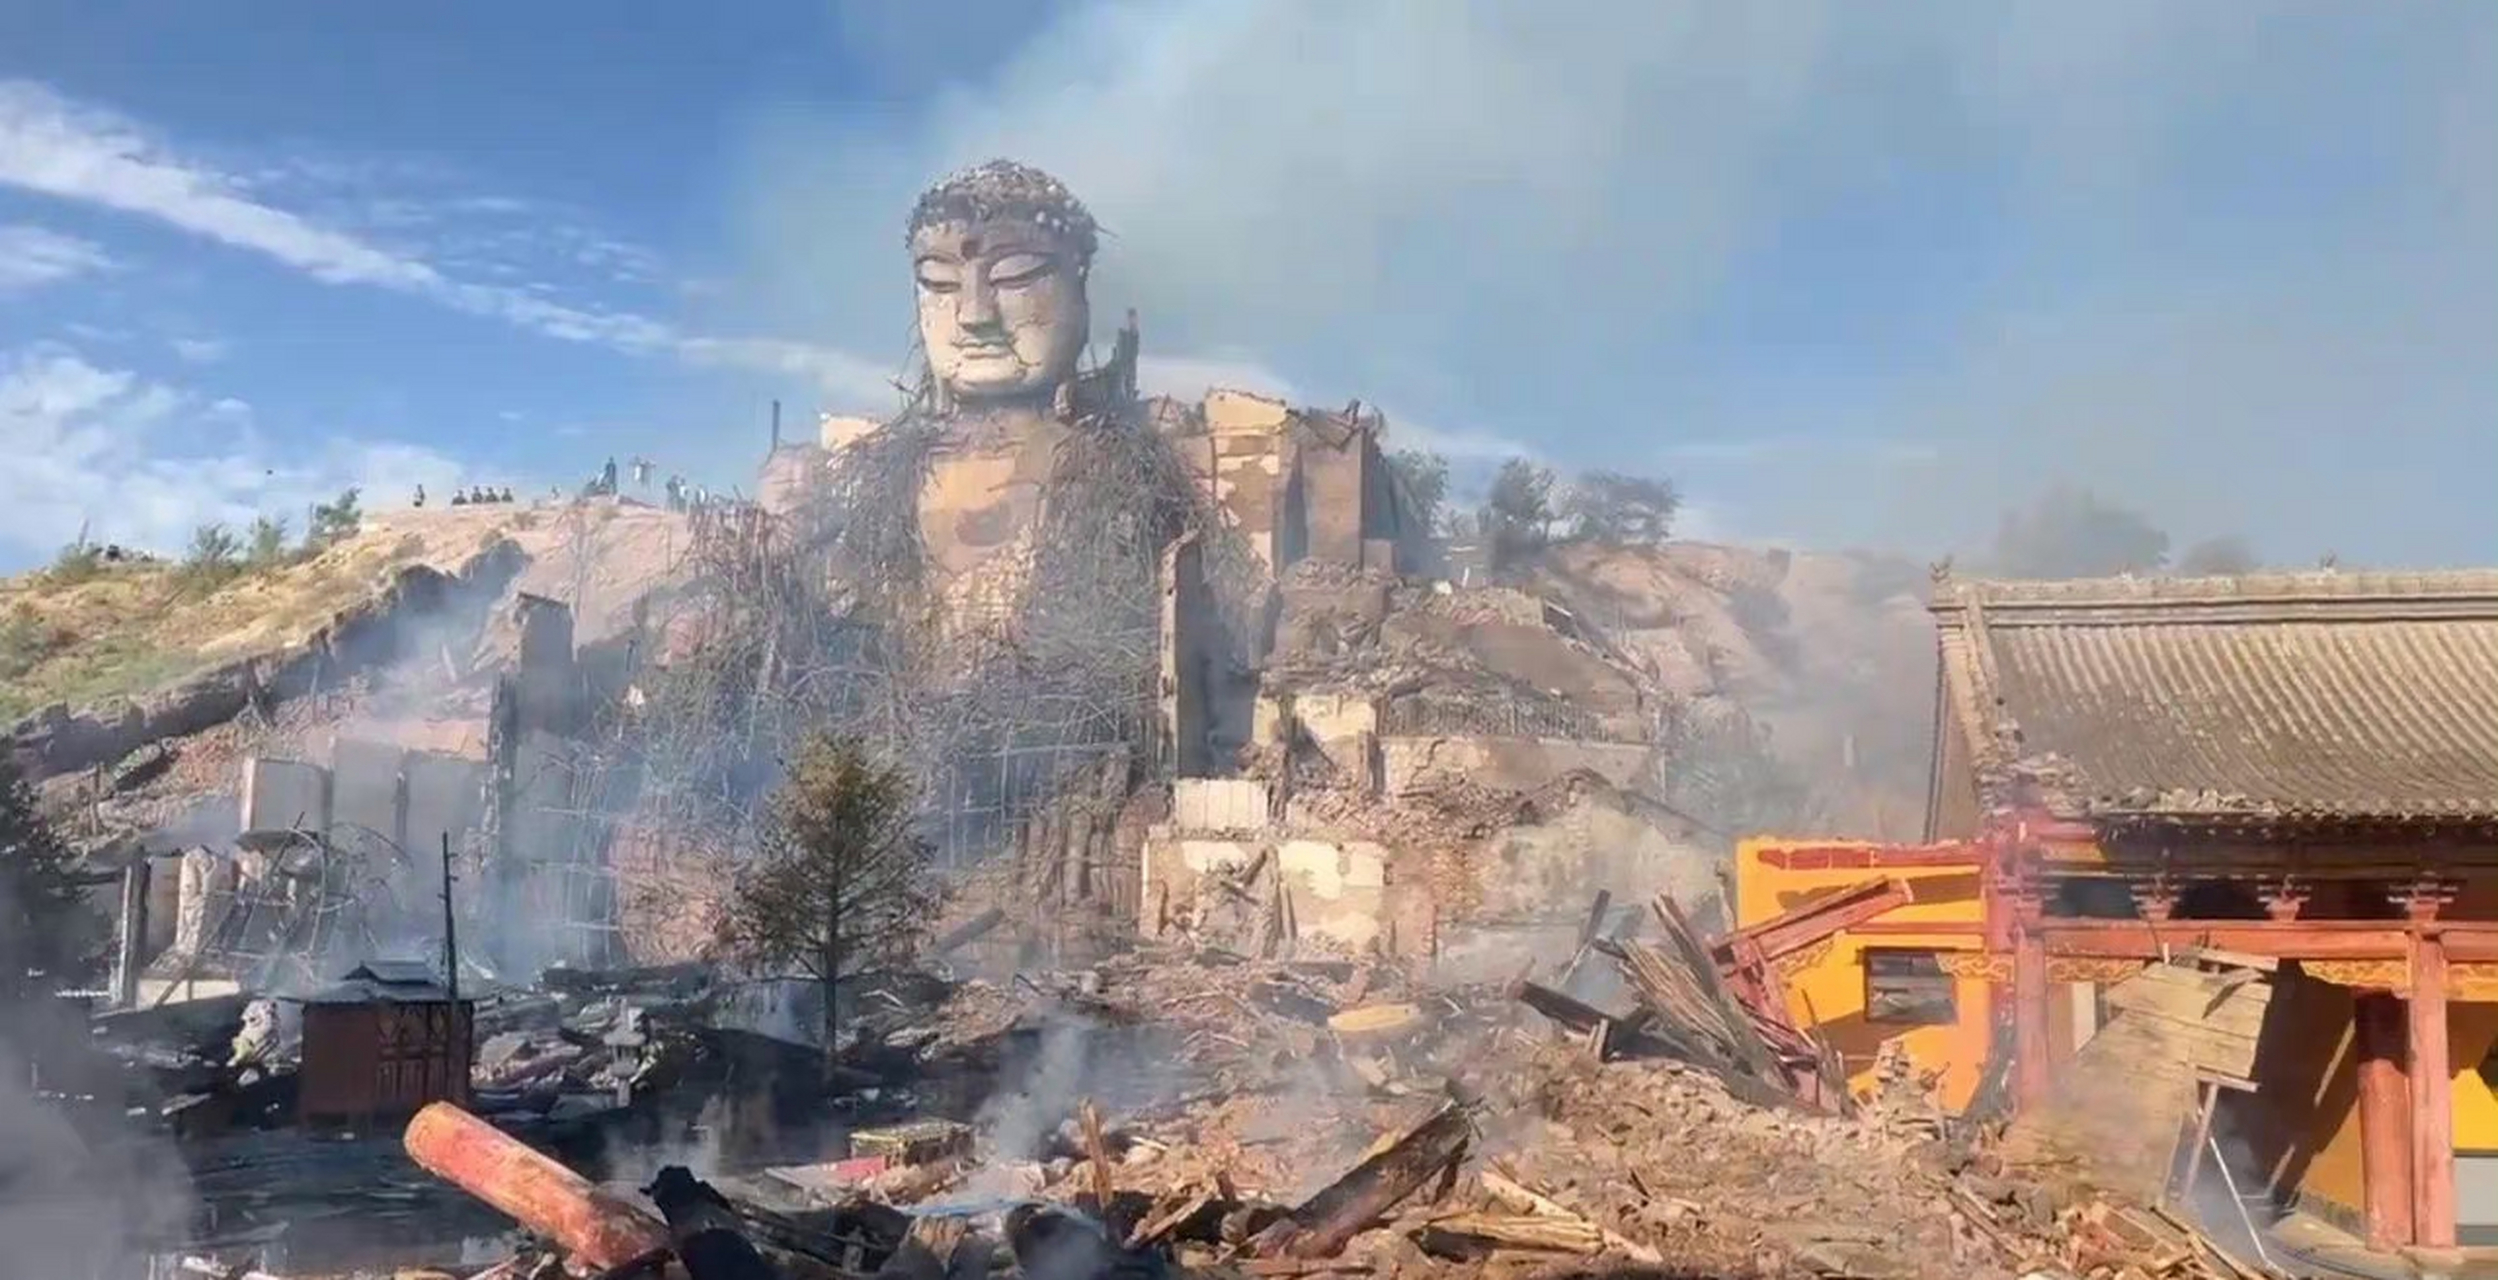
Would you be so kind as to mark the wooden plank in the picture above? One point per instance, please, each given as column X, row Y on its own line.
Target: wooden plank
column 2240, row 1011
column 2214, row 984
column 2200, row 1139
column 2216, row 1039
column 1702, row 966
column 2177, row 1046
column 2213, row 988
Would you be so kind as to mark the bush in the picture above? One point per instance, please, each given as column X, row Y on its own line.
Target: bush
column 215, row 557
column 268, row 543
column 1423, row 477
column 27, row 642
column 77, row 562
column 1620, row 510
column 336, row 519
column 1517, row 516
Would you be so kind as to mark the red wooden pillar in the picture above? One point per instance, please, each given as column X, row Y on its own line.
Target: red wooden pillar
column 2384, row 1119
column 2034, row 1072
column 1994, row 869
column 2432, row 1095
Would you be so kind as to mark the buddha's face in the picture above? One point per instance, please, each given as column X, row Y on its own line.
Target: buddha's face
column 1001, row 309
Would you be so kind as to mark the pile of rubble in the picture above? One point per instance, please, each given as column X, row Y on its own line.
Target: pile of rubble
column 1334, row 1117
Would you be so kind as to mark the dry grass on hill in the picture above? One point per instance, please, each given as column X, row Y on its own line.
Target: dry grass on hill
column 83, row 633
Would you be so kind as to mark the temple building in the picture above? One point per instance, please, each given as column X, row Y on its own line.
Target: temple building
column 2298, row 772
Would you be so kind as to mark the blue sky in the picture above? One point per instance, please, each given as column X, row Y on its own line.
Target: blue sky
column 1852, row 275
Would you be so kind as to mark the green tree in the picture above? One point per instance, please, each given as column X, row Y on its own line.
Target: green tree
column 49, row 937
column 268, row 542
column 2071, row 532
column 1423, row 477
column 335, row 519
column 1517, row 516
column 840, row 881
column 216, row 555
column 1619, row 509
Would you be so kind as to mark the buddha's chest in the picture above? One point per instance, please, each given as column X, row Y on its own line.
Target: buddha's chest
column 982, row 501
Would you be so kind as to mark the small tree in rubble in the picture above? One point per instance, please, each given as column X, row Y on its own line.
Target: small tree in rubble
column 841, row 881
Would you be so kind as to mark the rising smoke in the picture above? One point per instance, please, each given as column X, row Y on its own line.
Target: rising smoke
column 76, row 1199
column 1826, row 266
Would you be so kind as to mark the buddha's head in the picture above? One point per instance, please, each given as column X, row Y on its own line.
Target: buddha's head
column 1000, row 253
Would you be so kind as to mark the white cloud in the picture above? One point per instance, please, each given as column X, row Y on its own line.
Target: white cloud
column 32, row 256
column 63, row 149
column 1190, row 377
column 141, row 463
column 199, row 350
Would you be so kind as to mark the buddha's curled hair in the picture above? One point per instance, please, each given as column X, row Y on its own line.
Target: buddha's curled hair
column 1003, row 190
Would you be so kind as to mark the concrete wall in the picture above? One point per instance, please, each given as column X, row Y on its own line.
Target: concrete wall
column 1340, row 890
column 1207, row 701
column 1218, row 804
column 1334, row 484
column 280, row 795
column 1414, row 764
column 382, row 795
column 366, row 805
column 1556, row 866
column 1343, row 726
column 1247, row 435
column 786, row 478
column 445, row 794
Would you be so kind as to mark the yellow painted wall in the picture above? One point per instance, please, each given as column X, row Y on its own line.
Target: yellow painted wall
column 2333, row 1171
column 1829, row 995
column 2303, row 1126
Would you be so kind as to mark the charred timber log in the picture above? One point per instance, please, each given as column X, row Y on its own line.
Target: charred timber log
column 968, row 932
column 1625, row 1038
column 1325, row 1222
column 597, row 1229
column 706, row 1231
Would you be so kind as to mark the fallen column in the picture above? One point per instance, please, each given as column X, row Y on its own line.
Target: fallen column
column 597, row 1229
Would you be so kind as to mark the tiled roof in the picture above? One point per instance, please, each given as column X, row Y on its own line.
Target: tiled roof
column 2270, row 697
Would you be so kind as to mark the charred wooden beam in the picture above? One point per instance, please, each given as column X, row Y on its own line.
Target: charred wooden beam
column 970, row 931
column 597, row 1229
column 706, row 1230
column 1323, row 1223
column 1621, row 1039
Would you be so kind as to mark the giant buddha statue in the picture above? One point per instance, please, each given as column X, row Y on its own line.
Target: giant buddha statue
column 1008, row 524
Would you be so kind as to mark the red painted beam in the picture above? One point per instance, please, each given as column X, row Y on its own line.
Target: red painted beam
column 2475, row 941
column 1937, row 928
column 1793, row 931
column 1872, row 857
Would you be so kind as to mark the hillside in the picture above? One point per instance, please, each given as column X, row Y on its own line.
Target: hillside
column 397, row 629
column 396, row 632
column 1832, row 653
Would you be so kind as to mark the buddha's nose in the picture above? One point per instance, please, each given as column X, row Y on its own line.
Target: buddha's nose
column 976, row 305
